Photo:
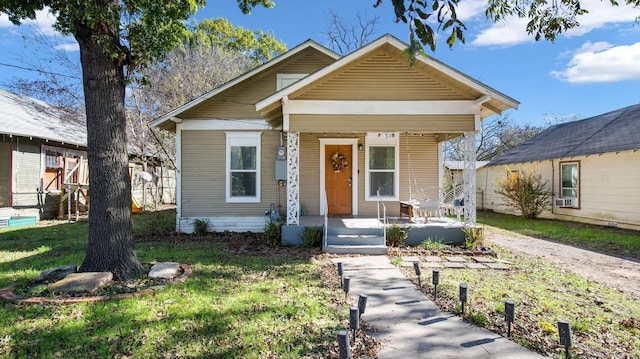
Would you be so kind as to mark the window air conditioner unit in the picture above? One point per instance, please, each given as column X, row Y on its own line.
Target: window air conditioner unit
column 564, row 202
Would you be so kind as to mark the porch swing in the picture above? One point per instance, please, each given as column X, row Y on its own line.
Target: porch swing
column 423, row 201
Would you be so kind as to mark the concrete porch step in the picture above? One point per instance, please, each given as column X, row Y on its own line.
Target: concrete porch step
column 355, row 239
column 356, row 249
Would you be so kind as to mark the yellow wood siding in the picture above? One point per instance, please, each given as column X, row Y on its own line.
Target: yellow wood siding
column 608, row 188
column 238, row 102
column 203, row 176
column 386, row 123
column 385, row 74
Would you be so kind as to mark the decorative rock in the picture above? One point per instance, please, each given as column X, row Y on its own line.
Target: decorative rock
column 76, row 283
column 56, row 274
column 166, row 270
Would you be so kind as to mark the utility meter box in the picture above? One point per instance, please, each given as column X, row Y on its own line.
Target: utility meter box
column 281, row 170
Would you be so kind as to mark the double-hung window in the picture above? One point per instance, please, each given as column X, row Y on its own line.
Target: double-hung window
column 570, row 181
column 382, row 159
column 243, row 167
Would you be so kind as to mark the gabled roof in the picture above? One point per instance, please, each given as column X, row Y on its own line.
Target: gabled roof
column 305, row 45
column 613, row 131
column 27, row 117
column 489, row 93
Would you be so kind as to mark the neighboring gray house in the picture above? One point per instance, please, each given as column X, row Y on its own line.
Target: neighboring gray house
column 40, row 145
column 592, row 167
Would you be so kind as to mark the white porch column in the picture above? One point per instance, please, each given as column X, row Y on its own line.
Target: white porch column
column 469, row 176
column 293, row 178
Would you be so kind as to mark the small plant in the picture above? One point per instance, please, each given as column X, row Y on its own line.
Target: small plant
column 396, row 261
column 433, row 244
column 272, row 234
column 525, row 191
column 478, row 318
column 201, row 227
column 396, row 235
column 312, row 236
column 474, row 236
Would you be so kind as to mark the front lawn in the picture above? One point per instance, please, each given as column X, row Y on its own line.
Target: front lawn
column 241, row 301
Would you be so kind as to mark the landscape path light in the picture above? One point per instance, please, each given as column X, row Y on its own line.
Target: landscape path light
column 362, row 303
column 435, row 280
column 416, row 268
column 354, row 321
column 343, row 344
column 340, row 272
column 509, row 314
column 345, row 287
column 564, row 329
column 463, row 295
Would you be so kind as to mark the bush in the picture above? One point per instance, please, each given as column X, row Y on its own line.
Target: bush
column 433, row 245
column 474, row 236
column 524, row 191
column 396, row 235
column 272, row 234
column 201, row 227
column 312, row 236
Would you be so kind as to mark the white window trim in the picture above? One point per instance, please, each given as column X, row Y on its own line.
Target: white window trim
column 574, row 202
column 243, row 139
column 382, row 139
column 284, row 80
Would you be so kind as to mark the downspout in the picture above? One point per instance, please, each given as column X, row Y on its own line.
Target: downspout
column 553, row 184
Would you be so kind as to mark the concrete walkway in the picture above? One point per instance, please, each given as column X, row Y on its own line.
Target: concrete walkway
column 409, row 325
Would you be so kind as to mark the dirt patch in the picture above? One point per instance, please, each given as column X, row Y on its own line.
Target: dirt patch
column 620, row 273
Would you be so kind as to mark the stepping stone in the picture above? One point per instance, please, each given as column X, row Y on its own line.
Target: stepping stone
column 165, row 270
column 432, row 259
column 411, row 259
column 56, row 274
column 498, row 266
column 503, row 261
column 483, row 260
column 476, row 266
column 455, row 259
column 453, row 264
column 75, row 283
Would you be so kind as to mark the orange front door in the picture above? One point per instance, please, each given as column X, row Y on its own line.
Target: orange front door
column 337, row 179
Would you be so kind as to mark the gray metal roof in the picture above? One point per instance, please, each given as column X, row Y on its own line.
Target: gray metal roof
column 613, row 131
column 27, row 117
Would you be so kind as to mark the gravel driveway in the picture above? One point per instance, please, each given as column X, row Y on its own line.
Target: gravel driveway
column 619, row 273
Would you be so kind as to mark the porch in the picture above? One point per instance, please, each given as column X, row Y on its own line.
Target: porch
column 365, row 235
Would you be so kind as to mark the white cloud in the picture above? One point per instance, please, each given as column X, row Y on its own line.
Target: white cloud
column 602, row 62
column 69, row 46
column 513, row 31
column 43, row 22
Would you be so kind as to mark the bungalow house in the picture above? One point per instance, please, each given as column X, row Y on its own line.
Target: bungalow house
column 591, row 166
column 42, row 158
column 311, row 133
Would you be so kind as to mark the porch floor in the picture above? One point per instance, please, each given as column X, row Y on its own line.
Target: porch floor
column 443, row 229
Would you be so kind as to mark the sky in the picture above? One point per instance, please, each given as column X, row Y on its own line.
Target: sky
column 587, row 71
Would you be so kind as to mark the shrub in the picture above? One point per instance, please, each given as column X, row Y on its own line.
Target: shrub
column 525, row 191
column 312, row 236
column 434, row 245
column 201, row 227
column 396, row 235
column 272, row 234
column 474, row 236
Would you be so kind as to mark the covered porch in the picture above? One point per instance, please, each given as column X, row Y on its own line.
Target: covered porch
column 366, row 235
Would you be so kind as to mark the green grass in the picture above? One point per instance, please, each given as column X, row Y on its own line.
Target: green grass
column 618, row 242
column 250, row 305
column 604, row 321
column 543, row 295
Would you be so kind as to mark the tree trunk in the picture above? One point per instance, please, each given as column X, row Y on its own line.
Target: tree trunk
column 111, row 245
